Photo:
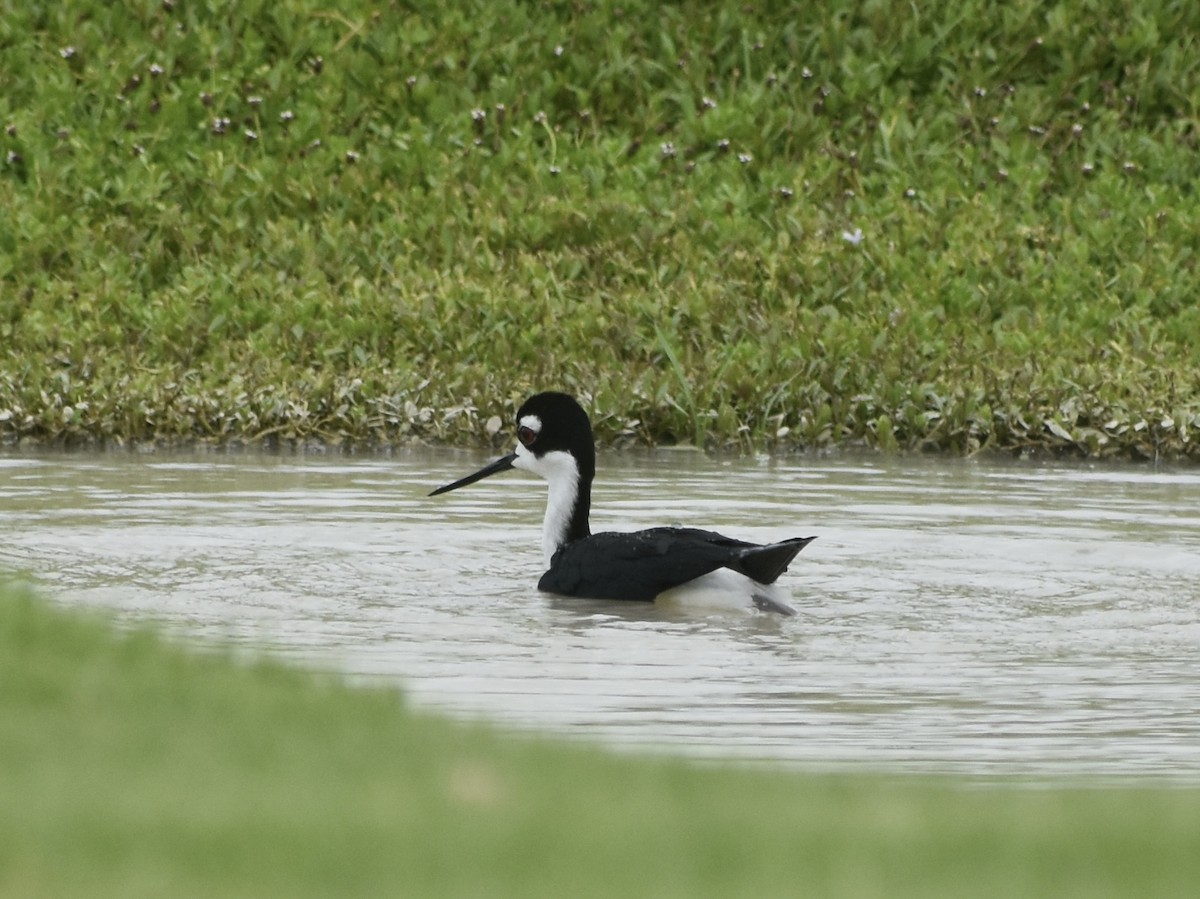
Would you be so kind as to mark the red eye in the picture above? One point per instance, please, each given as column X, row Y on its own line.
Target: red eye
column 526, row 435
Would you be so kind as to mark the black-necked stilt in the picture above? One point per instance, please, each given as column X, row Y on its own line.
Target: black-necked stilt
column 554, row 441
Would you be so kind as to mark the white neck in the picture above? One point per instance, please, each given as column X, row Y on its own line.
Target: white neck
column 561, row 471
column 563, row 477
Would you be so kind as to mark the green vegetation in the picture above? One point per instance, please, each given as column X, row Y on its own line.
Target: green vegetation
column 130, row 767
column 376, row 222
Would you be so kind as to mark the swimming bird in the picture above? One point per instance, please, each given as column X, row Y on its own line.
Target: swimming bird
column 554, row 441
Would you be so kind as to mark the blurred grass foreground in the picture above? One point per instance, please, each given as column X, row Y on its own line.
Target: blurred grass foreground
column 132, row 767
column 958, row 227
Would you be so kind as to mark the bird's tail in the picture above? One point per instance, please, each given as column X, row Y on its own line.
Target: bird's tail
column 765, row 563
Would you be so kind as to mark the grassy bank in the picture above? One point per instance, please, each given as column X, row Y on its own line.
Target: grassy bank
column 792, row 226
column 130, row 767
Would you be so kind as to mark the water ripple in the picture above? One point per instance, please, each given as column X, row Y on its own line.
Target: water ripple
column 980, row 618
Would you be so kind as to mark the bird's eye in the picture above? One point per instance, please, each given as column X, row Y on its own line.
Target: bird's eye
column 526, row 435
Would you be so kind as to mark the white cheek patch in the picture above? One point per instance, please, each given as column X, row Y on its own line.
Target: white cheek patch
column 525, row 460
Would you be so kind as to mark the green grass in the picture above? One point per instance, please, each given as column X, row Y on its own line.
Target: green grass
column 132, row 767
column 377, row 222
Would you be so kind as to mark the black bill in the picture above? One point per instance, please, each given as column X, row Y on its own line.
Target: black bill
column 503, row 464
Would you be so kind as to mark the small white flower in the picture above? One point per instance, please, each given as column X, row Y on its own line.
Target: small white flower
column 855, row 237
column 745, row 158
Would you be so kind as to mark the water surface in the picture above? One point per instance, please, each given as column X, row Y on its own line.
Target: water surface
column 1034, row 620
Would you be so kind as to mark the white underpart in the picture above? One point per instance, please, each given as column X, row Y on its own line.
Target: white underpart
column 561, row 471
column 722, row 590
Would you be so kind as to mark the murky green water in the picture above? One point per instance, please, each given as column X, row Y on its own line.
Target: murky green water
column 981, row 618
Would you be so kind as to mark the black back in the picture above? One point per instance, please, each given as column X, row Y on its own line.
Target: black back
column 642, row 564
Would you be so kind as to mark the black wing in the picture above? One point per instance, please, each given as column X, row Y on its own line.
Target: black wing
column 643, row 564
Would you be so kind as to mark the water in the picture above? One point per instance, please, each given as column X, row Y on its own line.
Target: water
column 1038, row 621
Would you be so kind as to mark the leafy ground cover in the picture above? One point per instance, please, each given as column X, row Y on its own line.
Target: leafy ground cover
column 788, row 226
column 133, row 767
